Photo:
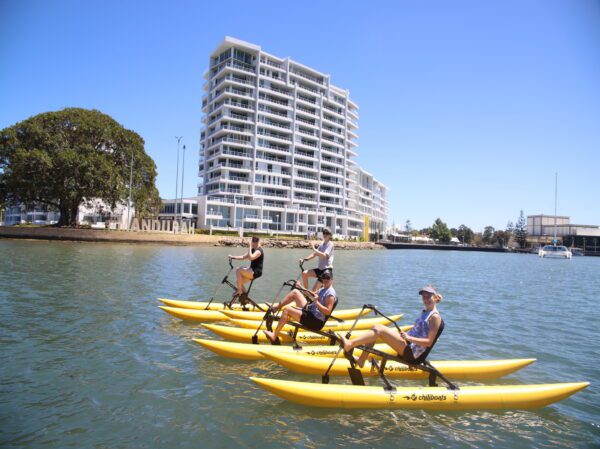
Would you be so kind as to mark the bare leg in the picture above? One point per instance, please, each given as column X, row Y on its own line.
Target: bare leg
column 293, row 296
column 243, row 275
column 307, row 274
column 285, row 317
column 317, row 286
column 388, row 335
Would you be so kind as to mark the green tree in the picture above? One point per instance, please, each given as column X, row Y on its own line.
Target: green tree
column 488, row 233
column 465, row 234
column 426, row 231
column 509, row 232
column 66, row 157
column 408, row 226
column 500, row 238
column 440, row 231
column 520, row 232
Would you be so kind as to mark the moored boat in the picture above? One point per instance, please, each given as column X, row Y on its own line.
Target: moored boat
column 428, row 398
column 555, row 252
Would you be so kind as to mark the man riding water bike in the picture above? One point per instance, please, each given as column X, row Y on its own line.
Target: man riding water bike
column 325, row 254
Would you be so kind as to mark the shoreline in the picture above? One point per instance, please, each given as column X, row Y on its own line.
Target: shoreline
column 112, row 236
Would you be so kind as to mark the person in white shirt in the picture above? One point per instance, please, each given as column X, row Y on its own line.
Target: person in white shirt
column 325, row 254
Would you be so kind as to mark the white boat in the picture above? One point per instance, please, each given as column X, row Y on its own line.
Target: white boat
column 556, row 252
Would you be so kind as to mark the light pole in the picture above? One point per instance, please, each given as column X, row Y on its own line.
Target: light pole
column 182, row 173
column 176, row 179
column 129, row 202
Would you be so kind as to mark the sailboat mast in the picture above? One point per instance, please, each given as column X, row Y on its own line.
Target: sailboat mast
column 555, row 200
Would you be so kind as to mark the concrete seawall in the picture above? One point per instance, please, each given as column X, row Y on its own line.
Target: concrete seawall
column 98, row 235
column 441, row 247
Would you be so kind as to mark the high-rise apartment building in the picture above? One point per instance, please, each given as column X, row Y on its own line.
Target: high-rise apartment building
column 277, row 149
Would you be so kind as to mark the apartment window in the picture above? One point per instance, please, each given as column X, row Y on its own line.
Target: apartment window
column 242, row 56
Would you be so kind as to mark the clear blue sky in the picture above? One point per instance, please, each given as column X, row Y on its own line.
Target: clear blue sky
column 466, row 108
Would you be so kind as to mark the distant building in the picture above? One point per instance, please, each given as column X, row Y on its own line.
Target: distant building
column 540, row 231
column 173, row 208
column 94, row 212
column 277, row 149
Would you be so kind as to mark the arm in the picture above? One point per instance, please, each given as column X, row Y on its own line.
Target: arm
column 312, row 256
column 435, row 322
column 326, row 310
column 309, row 293
column 237, row 257
column 325, row 253
column 254, row 256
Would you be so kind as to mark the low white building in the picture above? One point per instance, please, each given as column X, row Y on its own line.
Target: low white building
column 186, row 209
column 94, row 212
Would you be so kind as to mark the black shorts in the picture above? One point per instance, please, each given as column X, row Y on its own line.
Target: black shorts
column 311, row 321
column 257, row 273
column 319, row 272
column 409, row 357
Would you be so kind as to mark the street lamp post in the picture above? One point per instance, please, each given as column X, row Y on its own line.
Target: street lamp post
column 176, row 179
column 182, row 173
column 129, row 202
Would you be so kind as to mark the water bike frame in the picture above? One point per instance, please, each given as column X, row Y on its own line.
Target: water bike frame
column 244, row 299
column 421, row 362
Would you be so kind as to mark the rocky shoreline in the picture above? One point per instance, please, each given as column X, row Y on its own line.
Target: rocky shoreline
column 278, row 243
column 162, row 238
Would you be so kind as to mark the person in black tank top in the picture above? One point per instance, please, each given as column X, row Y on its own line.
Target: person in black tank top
column 256, row 256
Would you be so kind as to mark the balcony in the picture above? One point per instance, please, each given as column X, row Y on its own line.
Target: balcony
column 305, row 110
column 304, row 154
column 306, row 99
column 307, row 122
column 264, row 157
column 306, row 76
column 305, row 165
column 271, row 193
column 234, row 153
column 234, row 66
column 268, row 110
column 269, row 122
column 306, row 176
column 270, row 99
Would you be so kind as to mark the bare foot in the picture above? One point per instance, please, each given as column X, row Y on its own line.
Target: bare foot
column 270, row 336
column 345, row 344
column 272, row 306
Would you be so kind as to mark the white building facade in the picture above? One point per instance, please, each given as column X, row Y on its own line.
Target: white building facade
column 93, row 212
column 277, row 148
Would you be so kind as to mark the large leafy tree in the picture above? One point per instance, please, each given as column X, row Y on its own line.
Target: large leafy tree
column 520, row 231
column 465, row 234
column 488, row 233
column 440, row 231
column 66, row 157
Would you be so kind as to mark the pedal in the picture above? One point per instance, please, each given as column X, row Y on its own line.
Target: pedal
column 356, row 376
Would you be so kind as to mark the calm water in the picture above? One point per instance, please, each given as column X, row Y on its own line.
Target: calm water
column 88, row 359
